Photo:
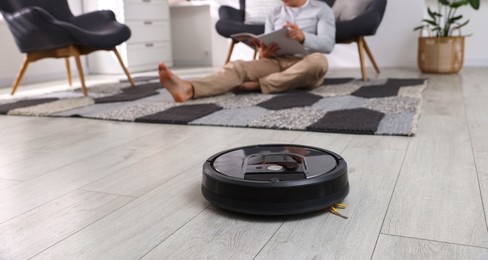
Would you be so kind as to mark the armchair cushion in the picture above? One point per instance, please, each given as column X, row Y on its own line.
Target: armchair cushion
column 364, row 24
column 232, row 21
column 345, row 10
column 258, row 10
column 36, row 29
column 98, row 29
column 230, row 13
column 30, row 25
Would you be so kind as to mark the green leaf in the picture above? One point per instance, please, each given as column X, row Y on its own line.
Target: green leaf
column 437, row 31
column 419, row 27
column 433, row 14
column 457, row 4
column 457, row 27
column 444, row 2
column 430, row 22
column 454, row 19
column 461, row 25
column 475, row 4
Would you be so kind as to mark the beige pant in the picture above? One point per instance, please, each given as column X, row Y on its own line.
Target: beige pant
column 274, row 75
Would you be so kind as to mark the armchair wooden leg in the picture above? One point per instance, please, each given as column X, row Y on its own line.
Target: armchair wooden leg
column 76, row 53
column 360, row 43
column 124, row 67
column 68, row 71
column 229, row 52
column 20, row 74
column 370, row 55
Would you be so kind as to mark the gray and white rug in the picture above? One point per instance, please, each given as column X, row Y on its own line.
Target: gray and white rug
column 342, row 105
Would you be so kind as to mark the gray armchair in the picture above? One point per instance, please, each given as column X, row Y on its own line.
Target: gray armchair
column 363, row 25
column 231, row 21
column 48, row 29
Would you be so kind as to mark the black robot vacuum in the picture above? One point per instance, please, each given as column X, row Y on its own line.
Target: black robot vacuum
column 275, row 179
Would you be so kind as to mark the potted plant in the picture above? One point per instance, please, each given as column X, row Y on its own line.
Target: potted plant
column 443, row 50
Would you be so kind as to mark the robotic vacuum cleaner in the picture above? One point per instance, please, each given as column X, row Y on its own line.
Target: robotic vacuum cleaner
column 275, row 179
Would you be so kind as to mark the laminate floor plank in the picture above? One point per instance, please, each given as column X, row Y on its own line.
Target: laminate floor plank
column 266, row 136
column 437, row 195
column 443, row 96
column 46, row 155
column 10, row 123
column 37, row 136
column 33, row 193
column 372, row 175
column 135, row 229
column 474, row 83
column 158, row 214
column 40, row 132
column 41, row 228
column 218, row 234
column 336, row 143
column 475, row 98
column 149, row 173
column 476, row 108
column 5, row 184
column 393, row 247
column 398, row 143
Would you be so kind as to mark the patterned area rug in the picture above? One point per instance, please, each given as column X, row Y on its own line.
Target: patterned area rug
column 341, row 105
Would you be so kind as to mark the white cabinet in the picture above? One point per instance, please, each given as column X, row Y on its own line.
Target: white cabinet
column 150, row 42
column 195, row 40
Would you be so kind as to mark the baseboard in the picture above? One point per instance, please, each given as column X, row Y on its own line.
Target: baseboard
column 7, row 82
column 189, row 63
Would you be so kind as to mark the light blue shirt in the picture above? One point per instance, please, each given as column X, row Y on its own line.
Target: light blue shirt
column 314, row 18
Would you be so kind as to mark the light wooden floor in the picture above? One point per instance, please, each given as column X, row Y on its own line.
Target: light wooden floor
column 89, row 189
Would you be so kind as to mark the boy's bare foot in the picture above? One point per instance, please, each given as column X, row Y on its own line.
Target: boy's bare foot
column 181, row 90
column 249, row 85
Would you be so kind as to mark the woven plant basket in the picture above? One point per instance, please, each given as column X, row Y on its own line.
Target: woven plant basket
column 441, row 54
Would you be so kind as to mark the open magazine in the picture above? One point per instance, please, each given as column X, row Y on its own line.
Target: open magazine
column 287, row 46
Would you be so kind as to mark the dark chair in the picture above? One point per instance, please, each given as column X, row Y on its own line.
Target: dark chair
column 363, row 25
column 232, row 21
column 48, row 29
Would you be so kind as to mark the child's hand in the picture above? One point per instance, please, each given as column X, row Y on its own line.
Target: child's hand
column 294, row 32
column 255, row 43
column 268, row 51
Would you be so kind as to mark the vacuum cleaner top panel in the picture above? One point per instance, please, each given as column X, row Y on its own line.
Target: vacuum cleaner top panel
column 274, row 162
